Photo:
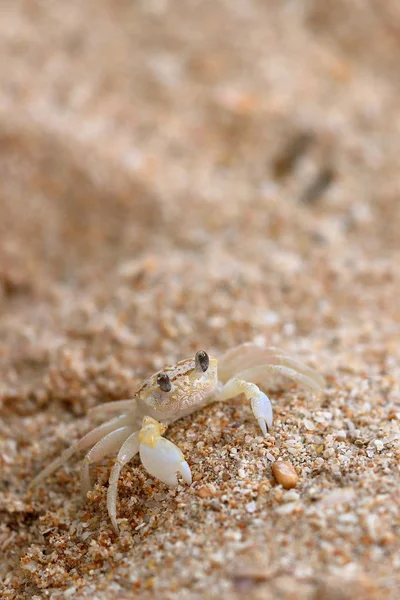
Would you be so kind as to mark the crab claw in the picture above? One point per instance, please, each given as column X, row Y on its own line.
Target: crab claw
column 262, row 410
column 260, row 403
column 164, row 461
column 160, row 457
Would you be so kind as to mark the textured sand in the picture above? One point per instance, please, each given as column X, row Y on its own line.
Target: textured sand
column 186, row 175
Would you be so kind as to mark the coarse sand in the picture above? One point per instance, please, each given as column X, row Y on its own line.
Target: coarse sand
column 189, row 175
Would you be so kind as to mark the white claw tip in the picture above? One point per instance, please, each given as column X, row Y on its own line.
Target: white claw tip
column 263, row 426
column 164, row 460
column 115, row 526
column 184, row 470
column 262, row 410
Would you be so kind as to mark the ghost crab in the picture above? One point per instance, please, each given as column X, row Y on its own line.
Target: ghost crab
column 171, row 394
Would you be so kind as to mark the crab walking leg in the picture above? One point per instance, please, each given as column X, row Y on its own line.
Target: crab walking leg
column 85, row 442
column 128, row 450
column 251, row 355
column 295, row 365
column 262, row 372
column 248, row 353
column 260, row 403
column 106, row 408
column 107, row 445
column 279, row 360
column 160, row 457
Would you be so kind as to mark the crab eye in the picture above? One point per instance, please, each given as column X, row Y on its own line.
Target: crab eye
column 164, row 382
column 202, row 361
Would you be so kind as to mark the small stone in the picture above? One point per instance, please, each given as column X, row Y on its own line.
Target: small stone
column 290, row 496
column 251, row 507
column 285, row 474
column 264, row 487
column 204, row 492
column 217, row 558
column 287, row 508
column 338, row 496
column 309, row 424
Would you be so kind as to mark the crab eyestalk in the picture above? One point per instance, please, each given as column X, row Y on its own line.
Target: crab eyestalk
column 164, row 382
column 202, row 362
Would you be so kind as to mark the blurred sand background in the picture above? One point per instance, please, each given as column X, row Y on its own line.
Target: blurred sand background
column 184, row 175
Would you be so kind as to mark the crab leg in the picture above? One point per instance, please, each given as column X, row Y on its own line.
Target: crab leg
column 106, row 445
column 260, row 403
column 85, row 442
column 128, row 450
column 250, row 355
column 160, row 457
column 260, row 374
column 109, row 407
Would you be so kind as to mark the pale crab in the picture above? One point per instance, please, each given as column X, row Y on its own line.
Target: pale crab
column 167, row 396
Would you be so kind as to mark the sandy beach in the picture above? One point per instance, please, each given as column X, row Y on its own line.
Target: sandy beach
column 178, row 176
